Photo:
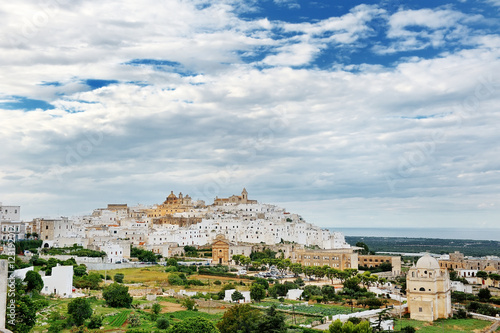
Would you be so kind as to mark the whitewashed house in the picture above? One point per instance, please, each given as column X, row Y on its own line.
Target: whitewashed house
column 60, row 282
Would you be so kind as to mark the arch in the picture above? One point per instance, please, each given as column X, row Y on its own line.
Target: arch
column 421, row 289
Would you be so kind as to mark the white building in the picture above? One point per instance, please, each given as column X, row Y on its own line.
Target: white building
column 229, row 293
column 252, row 223
column 385, row 325
column 13, row 230
column 459, row 286
column 10, row 213
column 114, row 252
column 21, row 273
column 294, row 294
column 60, row 282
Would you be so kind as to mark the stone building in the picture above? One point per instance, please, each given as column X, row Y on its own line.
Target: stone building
column 376, row 260
column 336, row 258
column 173, row 204
column 220, row 250
column 181, row 221
column 458, row 261
column 428, row 290
column 235, row 199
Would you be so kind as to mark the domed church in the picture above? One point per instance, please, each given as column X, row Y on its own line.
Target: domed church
column 428, row 290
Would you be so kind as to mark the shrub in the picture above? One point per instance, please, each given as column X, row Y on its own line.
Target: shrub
column 56, row 327
column 134, row 320
column 195, row 282
column 461, row 314
column 162, row 323
column 95, row 321
column 188, row 303
column 171, row 269
column 156, row 308
column 118, row 277
column 176, row 279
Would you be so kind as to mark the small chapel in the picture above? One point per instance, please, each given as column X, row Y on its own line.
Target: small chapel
column 428, row 290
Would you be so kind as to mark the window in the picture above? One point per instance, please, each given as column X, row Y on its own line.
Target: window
column 421, row 289
column 419, row 309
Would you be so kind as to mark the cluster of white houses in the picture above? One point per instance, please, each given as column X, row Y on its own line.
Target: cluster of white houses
column 231, row 226
column 176, row 222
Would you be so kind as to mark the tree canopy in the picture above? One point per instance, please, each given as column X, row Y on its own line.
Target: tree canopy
column 240, row 318
column 80, row 310
column 33, row 281
column 116, row 296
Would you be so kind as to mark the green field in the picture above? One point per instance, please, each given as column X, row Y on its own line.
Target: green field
column 118, row 319
column 445, row 325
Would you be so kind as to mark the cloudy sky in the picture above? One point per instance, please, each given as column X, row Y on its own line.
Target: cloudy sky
column 350, row 114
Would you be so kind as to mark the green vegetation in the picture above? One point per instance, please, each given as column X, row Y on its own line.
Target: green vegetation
column 75, row 250
column 117, row 296
column 190, row 251
column 407, row 244
column 118, row 319
column 349, row 326
column 193, row 325
column 143, row 255
column 269, row 315
column 119, row 277
column 483, row 308
column 26, row 307
column 444, row 325
column 244, row 318
column 80, row 310
column 33, row 281
column 92, row 281
column 257, row 292
column 31, row 245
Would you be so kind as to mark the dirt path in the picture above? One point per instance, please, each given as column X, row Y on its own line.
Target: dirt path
column 170, row 307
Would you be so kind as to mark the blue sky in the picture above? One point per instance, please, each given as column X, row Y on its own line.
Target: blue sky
column 349, row 113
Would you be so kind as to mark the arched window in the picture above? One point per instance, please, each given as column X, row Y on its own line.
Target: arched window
column 421, row 289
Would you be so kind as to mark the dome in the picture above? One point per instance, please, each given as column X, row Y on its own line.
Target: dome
column 427, row 262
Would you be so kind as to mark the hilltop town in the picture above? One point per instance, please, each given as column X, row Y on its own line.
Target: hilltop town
column 244, row 241
column 179, row 221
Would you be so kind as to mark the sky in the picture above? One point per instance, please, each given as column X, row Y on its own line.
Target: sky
column 348, row 113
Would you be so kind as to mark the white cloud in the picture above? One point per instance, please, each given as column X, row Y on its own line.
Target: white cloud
column 364, row 140
column 423, row 28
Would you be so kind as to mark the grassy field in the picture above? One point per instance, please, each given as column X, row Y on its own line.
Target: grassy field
column 445, row 325
column 155, row 276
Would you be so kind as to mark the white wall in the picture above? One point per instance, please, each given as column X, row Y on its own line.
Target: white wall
column 60, row 282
